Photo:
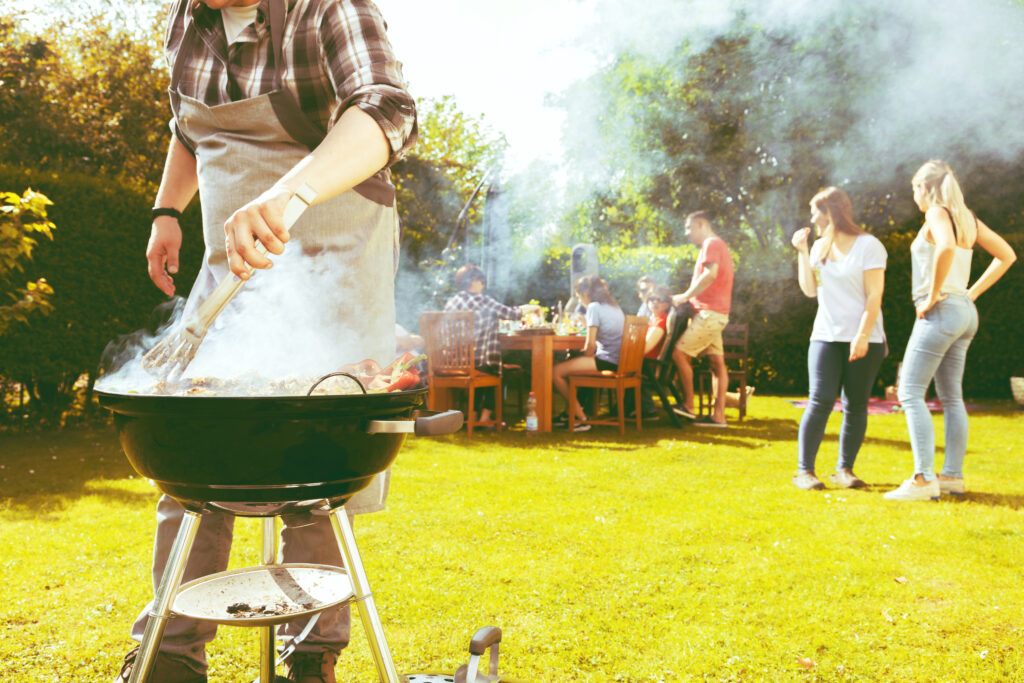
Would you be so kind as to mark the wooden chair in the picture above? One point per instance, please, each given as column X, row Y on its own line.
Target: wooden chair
column 734, row 344
column 660, row 373
column 448, row 337
column 627, row 376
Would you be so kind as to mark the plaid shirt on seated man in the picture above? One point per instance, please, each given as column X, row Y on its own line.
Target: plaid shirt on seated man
column 486, row 313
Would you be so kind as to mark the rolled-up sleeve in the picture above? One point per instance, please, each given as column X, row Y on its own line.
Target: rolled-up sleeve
column 365, row 72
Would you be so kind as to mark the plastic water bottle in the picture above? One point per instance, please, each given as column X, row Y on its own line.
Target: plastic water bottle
column 531, row 415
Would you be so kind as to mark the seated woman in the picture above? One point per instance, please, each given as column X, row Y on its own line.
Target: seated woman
column 605, row 323
column 470, row 281
column 659, row 303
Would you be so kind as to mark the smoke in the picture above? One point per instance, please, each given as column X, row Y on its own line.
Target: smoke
column 909, row 81
column 287, row 323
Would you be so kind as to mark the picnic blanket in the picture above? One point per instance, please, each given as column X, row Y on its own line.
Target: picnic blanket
column 877, row 406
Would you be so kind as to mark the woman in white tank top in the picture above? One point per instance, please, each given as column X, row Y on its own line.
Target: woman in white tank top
column 946, row 323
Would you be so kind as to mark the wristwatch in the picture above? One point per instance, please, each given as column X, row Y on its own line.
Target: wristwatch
column 158, row 211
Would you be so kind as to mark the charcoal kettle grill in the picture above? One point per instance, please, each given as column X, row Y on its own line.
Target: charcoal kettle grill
column 264, row 457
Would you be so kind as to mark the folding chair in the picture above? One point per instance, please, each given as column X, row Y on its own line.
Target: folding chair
column 660, row 373
column 734, row 344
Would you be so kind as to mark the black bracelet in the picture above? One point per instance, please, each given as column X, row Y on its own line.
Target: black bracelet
column 157, row 211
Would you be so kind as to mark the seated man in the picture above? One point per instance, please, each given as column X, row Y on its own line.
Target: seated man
column 471, row 281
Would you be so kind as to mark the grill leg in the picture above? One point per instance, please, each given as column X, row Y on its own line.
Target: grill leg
column 267, row 654
column 363, row 597
column 161, row 611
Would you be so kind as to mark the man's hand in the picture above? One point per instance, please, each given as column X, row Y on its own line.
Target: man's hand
column 800, row 239
column 260, row 219
column 679, row 299
column 162, row 252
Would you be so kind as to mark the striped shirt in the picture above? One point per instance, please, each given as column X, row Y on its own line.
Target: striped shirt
column 486, row 313
column 336, row 56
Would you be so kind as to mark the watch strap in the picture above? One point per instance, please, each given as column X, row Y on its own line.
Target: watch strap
column 158, row 211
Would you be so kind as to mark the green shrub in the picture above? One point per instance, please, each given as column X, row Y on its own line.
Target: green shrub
column 97, row 267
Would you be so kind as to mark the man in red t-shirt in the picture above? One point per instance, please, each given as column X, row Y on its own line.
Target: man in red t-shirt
column 710, row 294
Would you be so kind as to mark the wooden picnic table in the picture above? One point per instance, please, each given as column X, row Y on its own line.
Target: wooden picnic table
column 542, row 349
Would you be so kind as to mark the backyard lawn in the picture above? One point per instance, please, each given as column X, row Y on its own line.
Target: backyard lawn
column 665, row 555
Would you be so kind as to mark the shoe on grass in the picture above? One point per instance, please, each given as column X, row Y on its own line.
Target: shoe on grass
column 684, row 412
column 954, row 486
column 808, row 481
column 708, row 422
column 311, row 667
column 582, row 427
column 909, row 490
column 562, row 420
column 847, row 479
column 165, row 670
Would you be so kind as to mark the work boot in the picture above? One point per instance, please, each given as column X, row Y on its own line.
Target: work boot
column 165, row 670
column 311, row 667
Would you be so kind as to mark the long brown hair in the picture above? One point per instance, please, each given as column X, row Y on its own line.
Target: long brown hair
column 596, row 290
column 836, row 205
column 942, row 189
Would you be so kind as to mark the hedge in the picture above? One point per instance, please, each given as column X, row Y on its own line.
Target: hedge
column 97, row 267
column 766, row 296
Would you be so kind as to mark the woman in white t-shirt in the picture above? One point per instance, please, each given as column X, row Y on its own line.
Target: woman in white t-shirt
column 845, row 271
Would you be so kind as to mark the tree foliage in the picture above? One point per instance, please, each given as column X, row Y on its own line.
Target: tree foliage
column 88, row 97
column 749, row 124
column 452, row 155
column 96, row 264
column 22, row 218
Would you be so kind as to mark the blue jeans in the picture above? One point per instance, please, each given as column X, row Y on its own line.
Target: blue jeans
column 938, row 348
column 829, row 370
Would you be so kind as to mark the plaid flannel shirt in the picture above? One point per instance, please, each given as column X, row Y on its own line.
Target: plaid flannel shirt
column 336, row 56
column 486, row 313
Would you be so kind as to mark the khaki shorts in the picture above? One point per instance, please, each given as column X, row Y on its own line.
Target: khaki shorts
column 704, row 334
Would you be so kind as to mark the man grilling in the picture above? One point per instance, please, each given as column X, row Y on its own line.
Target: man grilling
column 274, row 99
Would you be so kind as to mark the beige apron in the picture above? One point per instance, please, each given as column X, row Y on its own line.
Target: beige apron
column 242, row 148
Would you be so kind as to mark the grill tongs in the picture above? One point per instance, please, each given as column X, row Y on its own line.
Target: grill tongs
column 170, row 357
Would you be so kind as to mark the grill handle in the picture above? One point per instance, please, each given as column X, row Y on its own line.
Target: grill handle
column 424, row 423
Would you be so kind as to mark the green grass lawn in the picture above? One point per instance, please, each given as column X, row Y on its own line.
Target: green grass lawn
column 668, row 555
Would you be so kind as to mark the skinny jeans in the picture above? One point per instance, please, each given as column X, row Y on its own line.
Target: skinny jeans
column 937, row 349
column 830, row 371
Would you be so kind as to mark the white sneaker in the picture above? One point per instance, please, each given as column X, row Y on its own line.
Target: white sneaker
column 908, row 490
column 954, row 487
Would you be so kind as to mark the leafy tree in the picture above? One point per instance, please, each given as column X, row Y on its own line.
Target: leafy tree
column 453, row 153
column 452, row 156
column 88, row 95
column 21, row 219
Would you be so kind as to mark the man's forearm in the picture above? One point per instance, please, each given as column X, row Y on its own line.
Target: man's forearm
column 702, row 283
column 180, row 181
column 355, row 149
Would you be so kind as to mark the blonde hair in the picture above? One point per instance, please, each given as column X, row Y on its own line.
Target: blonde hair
column 836, row 205
column 942, row 189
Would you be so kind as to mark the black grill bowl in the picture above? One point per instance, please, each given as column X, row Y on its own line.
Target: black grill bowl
column 259, row 456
